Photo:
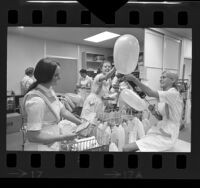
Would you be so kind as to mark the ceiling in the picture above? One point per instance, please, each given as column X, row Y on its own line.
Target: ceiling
column 77, row 34
column 186, row 32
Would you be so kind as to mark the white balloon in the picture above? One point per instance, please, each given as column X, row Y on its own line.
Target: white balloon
column 126, row 53
column 133, row 100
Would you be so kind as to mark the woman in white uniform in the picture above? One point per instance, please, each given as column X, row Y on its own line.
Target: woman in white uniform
column 84, row 85
column 44, row 110
column 100, row 88
column 164, row 135
column 27, row 80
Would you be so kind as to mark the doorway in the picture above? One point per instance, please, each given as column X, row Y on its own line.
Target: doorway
column 68, row 75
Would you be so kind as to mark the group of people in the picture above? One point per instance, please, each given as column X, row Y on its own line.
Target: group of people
column 44, row 110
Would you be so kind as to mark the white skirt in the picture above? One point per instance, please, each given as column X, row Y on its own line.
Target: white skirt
column 154, row 141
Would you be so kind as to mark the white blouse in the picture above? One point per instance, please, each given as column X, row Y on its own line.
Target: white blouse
column 38, row 113
column 87, row 81
column 175, row 104
column 41, row 117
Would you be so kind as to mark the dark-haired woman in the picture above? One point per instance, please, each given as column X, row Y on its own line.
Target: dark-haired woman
column 84, row 85
column 44, row 111
column 163, row 136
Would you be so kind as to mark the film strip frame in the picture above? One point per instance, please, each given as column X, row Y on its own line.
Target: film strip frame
column 101, row 164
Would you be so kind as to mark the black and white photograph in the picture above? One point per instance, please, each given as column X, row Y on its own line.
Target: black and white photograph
column 99, row 89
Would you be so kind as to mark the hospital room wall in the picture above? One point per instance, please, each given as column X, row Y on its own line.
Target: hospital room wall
column 164, row 52
column 186, row 54
column 24, row 51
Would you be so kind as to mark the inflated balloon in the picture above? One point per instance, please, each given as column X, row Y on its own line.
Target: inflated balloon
column 126, row 53
column 133, row 100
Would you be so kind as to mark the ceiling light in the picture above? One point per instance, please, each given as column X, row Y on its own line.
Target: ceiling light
column 102, row 37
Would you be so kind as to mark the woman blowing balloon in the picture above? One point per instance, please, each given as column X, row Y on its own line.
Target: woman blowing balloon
column 162, row 136
column 44, row 110
column 100, row 87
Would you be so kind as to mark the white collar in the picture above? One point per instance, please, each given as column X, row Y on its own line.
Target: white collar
column 49, row 92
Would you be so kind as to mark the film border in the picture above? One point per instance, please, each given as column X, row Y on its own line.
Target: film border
column 100, row 165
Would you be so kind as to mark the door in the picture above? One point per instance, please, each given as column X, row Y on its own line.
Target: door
column 188, row 68
column 68, row 75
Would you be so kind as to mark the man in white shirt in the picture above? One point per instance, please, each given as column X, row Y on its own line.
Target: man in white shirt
column 27, row 80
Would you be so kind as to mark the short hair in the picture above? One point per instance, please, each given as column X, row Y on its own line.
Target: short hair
column 172, row 76
column 29, row 71
column 83, row 71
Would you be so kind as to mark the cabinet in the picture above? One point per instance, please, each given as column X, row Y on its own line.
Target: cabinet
column 92, row 62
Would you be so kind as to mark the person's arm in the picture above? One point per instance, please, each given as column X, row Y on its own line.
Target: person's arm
column 143, row 87
column 45, row 138
column 69, row 116
column 112, row 71
column 35, row 109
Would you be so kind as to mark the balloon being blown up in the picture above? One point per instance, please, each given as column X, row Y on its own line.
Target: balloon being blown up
column 126, row 53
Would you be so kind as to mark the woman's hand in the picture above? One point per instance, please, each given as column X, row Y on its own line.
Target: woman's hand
column 154, row 112
column 151, row 107
column 113, row 68
column 115, row 86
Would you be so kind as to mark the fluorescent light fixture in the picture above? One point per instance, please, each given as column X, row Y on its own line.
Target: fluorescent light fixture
column 106, row 35
column 164, row 2
column 52, row 1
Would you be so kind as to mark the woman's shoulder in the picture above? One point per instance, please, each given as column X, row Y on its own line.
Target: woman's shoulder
column 172, row 94
column 33, row 98
column 173, row 91
column 170, row 90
